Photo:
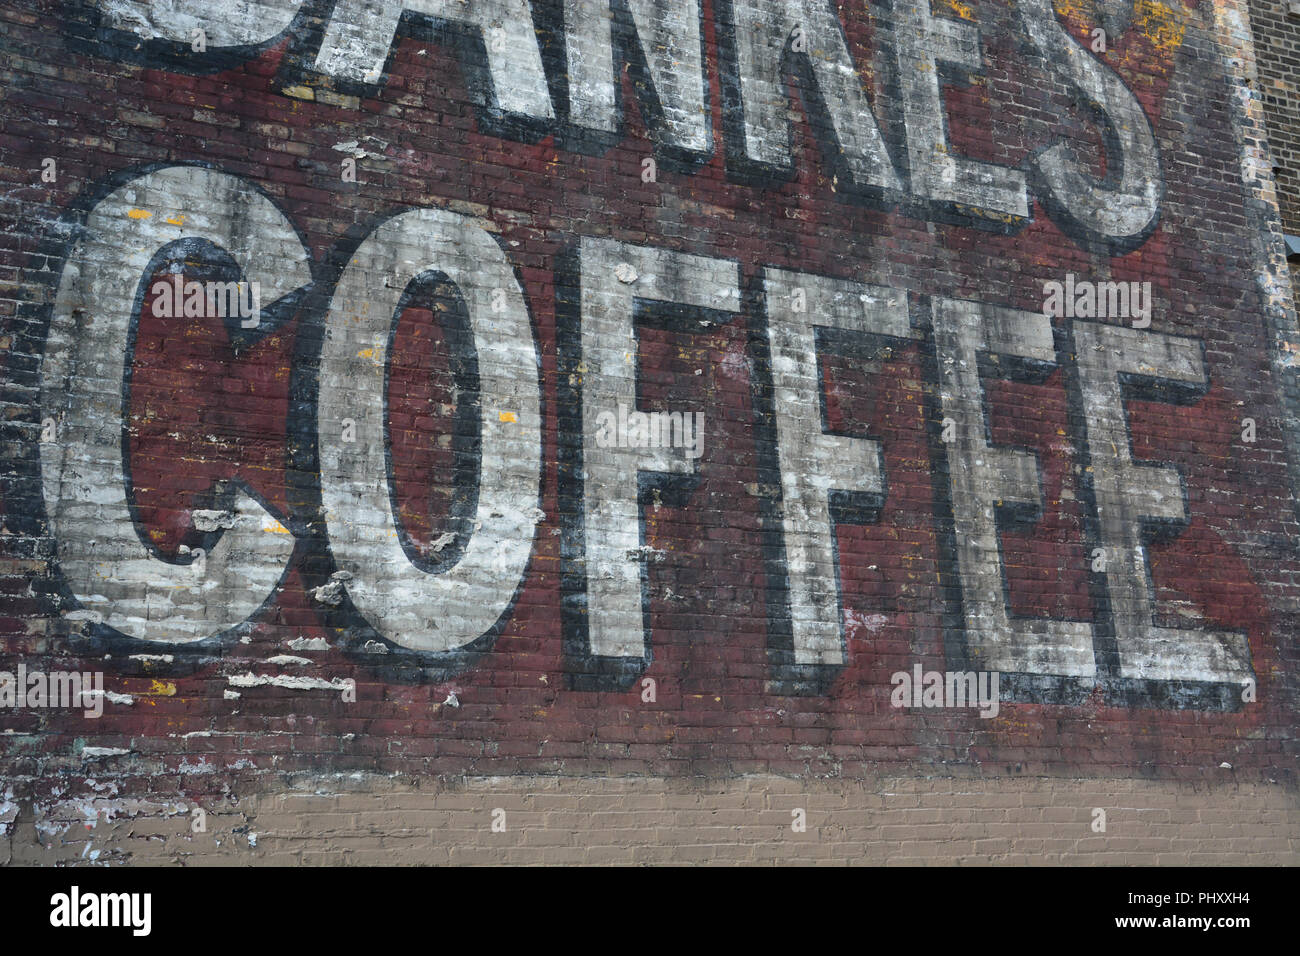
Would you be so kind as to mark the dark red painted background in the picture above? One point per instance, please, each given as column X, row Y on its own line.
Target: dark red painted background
column 200, row 412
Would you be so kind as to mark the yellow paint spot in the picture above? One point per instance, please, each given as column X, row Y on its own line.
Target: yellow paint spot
column 1164, row 26
column 138, row 214
column 1008, row 218
column 300, row 92
column 1068, row 9
column 273, row 526
column 366, row 353
column 964, row 11
column 508, row 417
column 161, row 688
column 176, row 220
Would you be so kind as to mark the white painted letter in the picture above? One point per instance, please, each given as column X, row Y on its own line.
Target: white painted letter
column 102, row 555
column 254, row 22
column 1118, row 211
column 761, row 31
column 404, row 603
column 360, row 33
column 668, row 34
column 983, row 477
column 922, row 42
column 1129, row 496
column 817, row 467
column 605, row 544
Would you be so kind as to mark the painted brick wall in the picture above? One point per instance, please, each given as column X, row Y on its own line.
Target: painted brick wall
column 1277, row 45
column 1277, row 29
column 395, row 522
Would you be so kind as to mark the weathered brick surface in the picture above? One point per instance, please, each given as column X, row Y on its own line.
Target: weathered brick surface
column 465, row 586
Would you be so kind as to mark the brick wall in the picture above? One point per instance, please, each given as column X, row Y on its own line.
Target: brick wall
column 1277, row 29
column 1277, row 44
column 387, row 518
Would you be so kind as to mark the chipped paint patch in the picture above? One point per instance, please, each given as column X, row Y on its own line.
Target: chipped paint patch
column 273, row 526
column 94, row 753
column 309, row 644
column 289, row 682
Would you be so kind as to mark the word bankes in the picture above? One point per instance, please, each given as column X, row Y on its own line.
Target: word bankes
column 64, row 689
column 665, row 46
column 74, row 909
column 947, row 689
column 637, row 429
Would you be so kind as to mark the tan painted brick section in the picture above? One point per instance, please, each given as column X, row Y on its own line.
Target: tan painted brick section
column 566, row 820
